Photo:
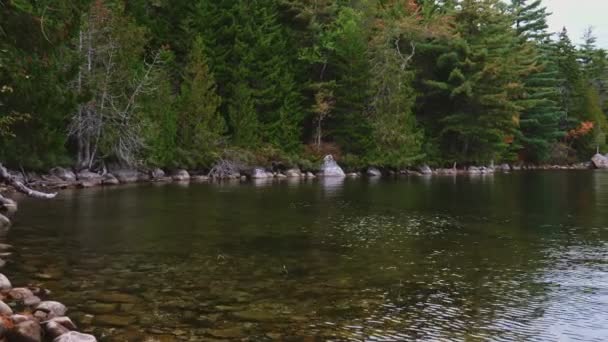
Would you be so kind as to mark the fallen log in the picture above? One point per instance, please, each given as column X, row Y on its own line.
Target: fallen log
column 7, row 205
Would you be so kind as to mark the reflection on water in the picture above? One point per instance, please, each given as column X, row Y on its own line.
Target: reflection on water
column 506, row 257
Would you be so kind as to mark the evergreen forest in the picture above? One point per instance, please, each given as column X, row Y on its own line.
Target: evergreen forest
column 385, row 83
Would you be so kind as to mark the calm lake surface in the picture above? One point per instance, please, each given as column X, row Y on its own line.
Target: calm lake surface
column 509, row 257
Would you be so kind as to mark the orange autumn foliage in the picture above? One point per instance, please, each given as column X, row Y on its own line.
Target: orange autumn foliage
column 583, row 129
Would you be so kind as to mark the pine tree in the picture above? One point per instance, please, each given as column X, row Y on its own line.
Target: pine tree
column 477, row 81
column 539, row 123
column 200, row 124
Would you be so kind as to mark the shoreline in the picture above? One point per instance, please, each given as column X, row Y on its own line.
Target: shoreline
column 60, row 178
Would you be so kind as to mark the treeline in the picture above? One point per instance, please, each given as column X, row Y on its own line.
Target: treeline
column 389, row 83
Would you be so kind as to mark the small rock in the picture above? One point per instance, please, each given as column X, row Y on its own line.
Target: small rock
column 64, row 321
column 5, row 247
column 90, row 178
column 425, row 169
column 259, row 173
column 27, row 331
column 50, row 309
column 474, row 170
column 74, row 336
column 5, row 310
column 5, row 284
column 54, row 329
column 20, row 293
column 199, row 178
column 310, row 175
column 180, row 176
column 63, row 174
column 125, row 176
column 109, row 179
column 373, row 172
column 293, row 173
column 352, row 175
column 157, row 173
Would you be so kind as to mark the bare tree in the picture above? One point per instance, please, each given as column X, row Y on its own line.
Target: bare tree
column 107, row 46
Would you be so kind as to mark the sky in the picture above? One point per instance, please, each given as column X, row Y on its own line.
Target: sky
column 577, row 15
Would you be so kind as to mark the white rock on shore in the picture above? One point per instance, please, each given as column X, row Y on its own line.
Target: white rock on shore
column 600, row 161
column 330, row 168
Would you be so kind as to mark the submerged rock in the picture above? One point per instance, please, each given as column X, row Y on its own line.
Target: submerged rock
column 101, row 308
column 114, row 321
column 330, row 168
column 115, row 297
column 600, row 161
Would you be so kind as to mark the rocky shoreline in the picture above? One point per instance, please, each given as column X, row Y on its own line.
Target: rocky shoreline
column 27, row 314
column 63, row 178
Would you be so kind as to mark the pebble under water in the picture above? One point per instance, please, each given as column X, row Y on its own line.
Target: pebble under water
column 514, row 257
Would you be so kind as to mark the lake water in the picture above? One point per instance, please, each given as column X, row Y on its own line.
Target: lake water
column 509, row 257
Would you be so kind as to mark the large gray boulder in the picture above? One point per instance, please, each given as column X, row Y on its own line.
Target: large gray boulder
column 330, row 168
column 600, row 161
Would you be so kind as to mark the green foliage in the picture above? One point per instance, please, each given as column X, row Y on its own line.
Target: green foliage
column 389, row 83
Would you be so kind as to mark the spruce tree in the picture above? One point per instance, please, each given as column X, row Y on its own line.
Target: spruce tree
column 200, row 124
column 541, row 115
column 477, row 78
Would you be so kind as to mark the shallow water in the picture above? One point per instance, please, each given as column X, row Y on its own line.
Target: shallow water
column 512, row 257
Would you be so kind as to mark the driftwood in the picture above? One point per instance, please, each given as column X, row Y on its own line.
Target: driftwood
column 8, row 179
column 224, row 169
column 8, row 206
